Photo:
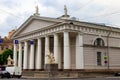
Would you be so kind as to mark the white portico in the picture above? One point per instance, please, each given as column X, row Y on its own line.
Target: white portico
column 38, row 35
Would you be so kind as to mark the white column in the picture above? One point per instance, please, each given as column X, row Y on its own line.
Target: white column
column 59, row 54
column 56, row 53
column 66, row 51
column 20, row 55
column 15, row 54
column 39, row 55
column 31, row 56
column 79, row 52
column 46, row 48
column 25, row 55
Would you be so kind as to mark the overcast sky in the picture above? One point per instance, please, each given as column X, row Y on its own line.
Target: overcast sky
column 14, row 12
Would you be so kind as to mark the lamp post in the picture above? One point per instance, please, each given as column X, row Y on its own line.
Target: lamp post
column 108, row 46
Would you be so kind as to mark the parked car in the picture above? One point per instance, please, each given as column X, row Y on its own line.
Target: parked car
column 117, row 74
column 14, row 71
column 4, row 73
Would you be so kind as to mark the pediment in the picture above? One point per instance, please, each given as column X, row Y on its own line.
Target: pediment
column 35, row 23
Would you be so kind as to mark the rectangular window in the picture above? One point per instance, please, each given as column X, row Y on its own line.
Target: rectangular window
column 98, row 58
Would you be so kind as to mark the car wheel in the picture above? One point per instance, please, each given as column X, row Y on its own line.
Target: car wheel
column 8, row 76
column 12, row 76
column 19, row 76
column 2, row 76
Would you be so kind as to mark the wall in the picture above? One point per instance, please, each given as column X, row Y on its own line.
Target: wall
column 90, row 52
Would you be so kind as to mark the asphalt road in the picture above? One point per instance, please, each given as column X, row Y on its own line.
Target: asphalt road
column 106, row 78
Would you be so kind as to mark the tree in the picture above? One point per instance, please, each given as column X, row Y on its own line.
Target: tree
column 4, row 56
column 1, row 59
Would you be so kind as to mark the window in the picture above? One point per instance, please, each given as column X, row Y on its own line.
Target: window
column 98, row 58
column 99, row 42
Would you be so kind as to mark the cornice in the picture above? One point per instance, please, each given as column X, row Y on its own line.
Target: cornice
column 61, row 27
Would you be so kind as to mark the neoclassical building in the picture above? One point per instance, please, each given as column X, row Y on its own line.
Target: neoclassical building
column 75, row 44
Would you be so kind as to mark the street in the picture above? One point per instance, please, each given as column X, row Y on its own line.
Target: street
column 106, row 78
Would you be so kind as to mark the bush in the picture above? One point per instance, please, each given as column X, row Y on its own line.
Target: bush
column 4, row 56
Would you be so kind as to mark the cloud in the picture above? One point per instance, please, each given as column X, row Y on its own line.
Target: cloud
column 15, row 12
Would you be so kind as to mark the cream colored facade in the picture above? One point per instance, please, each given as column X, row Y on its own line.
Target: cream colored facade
column 72, row 42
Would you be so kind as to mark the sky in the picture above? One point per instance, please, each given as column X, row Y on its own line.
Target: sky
column 13, row 13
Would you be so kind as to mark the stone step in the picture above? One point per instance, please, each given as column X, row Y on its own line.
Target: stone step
column 66, row 74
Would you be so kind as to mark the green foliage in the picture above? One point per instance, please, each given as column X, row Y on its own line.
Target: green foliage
column 4, row 56
column 1, row 59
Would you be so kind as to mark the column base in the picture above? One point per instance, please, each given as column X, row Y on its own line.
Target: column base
column 51, row 67
column 73, row 69
column 25, row 69
column 31, row 69
column 39, row 69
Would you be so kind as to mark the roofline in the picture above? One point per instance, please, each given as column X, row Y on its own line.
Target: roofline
column 63, row 21
column 35, row 17
column 95, row 24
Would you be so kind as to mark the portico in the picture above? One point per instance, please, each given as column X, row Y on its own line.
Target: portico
column 40, row 35
column 60, row 44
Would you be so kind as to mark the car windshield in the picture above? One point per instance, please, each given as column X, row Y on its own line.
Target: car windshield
column 4, row 71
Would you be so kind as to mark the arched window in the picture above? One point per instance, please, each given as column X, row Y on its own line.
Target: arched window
column 99, row 42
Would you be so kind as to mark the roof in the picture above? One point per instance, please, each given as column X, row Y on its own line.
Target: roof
column 64, row 21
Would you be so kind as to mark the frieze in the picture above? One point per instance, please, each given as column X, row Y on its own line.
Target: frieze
column 86, row 30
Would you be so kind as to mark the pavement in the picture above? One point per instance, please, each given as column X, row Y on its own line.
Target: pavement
column 105, row 78
column 52, row 78
column 97, row 78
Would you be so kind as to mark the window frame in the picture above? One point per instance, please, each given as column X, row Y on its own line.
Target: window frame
column 99, row 58
column 99, row 42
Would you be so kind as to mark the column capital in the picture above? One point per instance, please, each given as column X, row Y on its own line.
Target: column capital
column 65, row 31
column 25, row 41
column 20, row 42
column 46, row 35
column 81, row 33
column 55, row 33
column 38, row 37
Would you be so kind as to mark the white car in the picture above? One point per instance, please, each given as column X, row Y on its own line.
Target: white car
column 14, row 71
column 4, row 73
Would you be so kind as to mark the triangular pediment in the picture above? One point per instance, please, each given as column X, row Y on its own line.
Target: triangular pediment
column 35, row 23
